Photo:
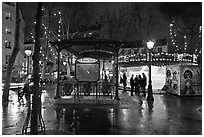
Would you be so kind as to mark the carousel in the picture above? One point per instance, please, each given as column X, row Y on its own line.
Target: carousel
column 175, row 73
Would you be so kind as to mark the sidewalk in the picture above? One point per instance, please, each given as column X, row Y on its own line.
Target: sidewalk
column 155, row 91
column 170, row 115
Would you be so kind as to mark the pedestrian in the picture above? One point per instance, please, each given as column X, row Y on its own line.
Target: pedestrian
column 132, row 84
column 144, row 84
column 124, row 81
column 26, row 90
column 136, row 84
column 106, row 78
column 139, row 83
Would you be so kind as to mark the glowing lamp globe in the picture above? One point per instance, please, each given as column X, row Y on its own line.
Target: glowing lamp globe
column 150, row 44
column 28, row 52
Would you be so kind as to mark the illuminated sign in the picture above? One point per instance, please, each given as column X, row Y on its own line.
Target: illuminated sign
column 87, row 60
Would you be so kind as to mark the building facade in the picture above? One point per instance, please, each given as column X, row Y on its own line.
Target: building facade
column 8, row 39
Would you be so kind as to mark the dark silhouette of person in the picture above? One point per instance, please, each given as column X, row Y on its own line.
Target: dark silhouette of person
column 144, row 83
column 136, row 84
column 124, row 81
column 139, row 82
column 26, row 90
column 132, row 84
column 106, row 78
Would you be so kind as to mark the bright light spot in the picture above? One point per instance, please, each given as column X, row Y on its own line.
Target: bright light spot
column 150, row 44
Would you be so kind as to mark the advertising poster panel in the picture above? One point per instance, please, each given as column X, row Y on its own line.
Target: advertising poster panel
column 191, row 80
column 173, row 79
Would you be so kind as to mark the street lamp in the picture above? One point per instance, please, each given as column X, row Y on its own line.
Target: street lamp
column 28, row 53
column 65, row 65
column 150, row 45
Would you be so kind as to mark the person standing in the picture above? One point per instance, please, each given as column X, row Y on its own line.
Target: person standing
column 136, row 83
column 132, row 84
column 106, row 78
column 124, row 81
column 144, row 83
column 26, row 90
column 139, row 82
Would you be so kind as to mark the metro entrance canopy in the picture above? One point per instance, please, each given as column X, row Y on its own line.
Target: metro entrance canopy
column 90, row 47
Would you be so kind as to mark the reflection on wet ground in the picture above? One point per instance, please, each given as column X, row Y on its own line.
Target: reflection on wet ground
column 167, row 115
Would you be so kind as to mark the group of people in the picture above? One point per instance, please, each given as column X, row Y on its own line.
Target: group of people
column 137, row 84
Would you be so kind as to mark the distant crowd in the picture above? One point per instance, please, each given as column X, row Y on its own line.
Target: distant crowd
column 137, row 83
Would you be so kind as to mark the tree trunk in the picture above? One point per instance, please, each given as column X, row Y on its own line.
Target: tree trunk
column 46, row 48
column 36, row 106
column 12, row 58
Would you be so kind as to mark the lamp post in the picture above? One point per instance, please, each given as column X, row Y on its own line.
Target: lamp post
column 28, row 53
column 65, row 63
column 150, row 45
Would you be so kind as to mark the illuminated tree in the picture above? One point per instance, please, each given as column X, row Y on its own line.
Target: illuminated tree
column 185, row 26
column 61, row 21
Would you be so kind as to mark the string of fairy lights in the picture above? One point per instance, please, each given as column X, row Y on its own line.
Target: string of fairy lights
column 49, row 34
column 59, row 35
column 173, row 35
column 168, row 57
column 199, row 41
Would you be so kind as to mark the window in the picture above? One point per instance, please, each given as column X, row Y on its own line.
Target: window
column 8, row 31
column 8, row 15
column 7, row 58
column 7, row 44
column 159, row 49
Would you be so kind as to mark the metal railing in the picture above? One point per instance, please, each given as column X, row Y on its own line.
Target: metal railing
column 79, row 89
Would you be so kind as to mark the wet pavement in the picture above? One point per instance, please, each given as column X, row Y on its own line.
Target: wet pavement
column 167, row 115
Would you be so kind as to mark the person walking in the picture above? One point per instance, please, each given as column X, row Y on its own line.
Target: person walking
column 132, row 84
column 124, row 81
column 144, row 84
column 27, row 92
column 136, row 84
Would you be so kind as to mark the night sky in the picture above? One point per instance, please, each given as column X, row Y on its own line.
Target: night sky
column 173, row 8
column 29, row 10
